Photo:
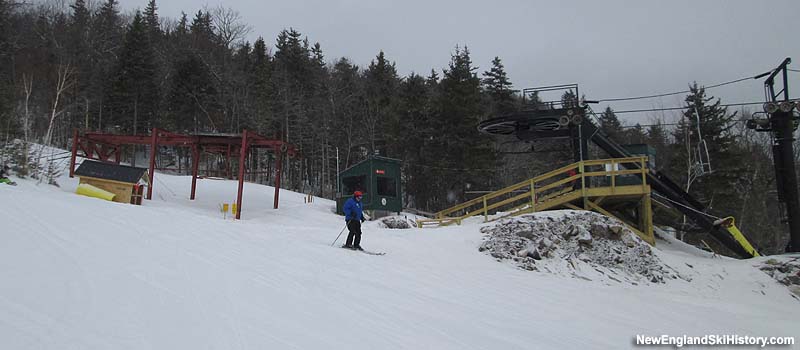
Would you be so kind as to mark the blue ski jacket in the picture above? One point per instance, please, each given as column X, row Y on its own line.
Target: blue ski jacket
column 352, row 210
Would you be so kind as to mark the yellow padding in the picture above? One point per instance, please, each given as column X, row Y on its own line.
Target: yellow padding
column 730, row 224
column 96, row 192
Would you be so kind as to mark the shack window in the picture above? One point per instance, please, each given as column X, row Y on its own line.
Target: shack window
column 354, row 183
column 387, row 187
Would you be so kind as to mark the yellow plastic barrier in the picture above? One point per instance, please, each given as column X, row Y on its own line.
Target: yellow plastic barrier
column 224, row 209
column 96, row 192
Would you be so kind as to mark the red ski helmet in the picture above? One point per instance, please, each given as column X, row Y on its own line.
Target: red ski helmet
column 357, row 194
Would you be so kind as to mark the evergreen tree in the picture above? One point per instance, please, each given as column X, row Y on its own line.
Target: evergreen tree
column 498, row 87
column 569, row 99
column 705, row 126
column 635, row 134
column 6, row 78
column 262, row 88
column 107, row 27
column 81, row 56
column 106, row 40
column 192, row 106
column 381, row 82
column 458, row 140
column 151, row 19
column 317, row 57
column 134, row 94
column 345, row 96
column 657, row 134
column 319, row 121
column 180, row 36
column 657, row 138
column 290, row 83
column 432, row 79
column 611, row 125
column 202, row 34
column 291, row 53
column 80, row 19
column 156, row 37
column 414, row 108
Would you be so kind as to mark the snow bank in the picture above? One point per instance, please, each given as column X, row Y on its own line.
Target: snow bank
column 784, row 269
column 580, row 244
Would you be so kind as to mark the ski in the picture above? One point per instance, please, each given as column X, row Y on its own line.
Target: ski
column 365, row 251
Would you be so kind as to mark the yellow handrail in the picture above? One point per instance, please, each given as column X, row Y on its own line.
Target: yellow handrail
column 536, row 188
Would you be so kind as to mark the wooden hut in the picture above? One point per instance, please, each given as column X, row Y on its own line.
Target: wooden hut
column 125, row 182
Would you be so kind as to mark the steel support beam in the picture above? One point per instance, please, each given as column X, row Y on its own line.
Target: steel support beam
column 786, row 175
column 153, row 146
column 242, row 158
column 195, row 164
column 781, row 122
column 278, row 166
column 74, row 153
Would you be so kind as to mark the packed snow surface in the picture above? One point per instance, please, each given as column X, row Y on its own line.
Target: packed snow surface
column 82, row 273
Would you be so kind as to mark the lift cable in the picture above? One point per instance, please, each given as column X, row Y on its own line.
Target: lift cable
column 684, row 91
column 687, row 207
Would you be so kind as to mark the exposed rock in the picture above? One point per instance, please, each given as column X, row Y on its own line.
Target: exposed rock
column 784, row 269
column 584, row 237
column 526, row 233
column 553, row 243
column 615, row 231
column 599, row 230
column 396, row 222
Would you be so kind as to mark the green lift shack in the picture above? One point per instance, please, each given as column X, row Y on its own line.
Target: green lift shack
column 379, row 179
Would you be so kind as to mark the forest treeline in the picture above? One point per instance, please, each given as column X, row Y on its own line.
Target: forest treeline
column 88, row 66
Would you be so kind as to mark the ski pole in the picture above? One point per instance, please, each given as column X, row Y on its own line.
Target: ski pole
column 340, row 234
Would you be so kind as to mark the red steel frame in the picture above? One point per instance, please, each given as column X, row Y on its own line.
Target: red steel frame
column 102, row 146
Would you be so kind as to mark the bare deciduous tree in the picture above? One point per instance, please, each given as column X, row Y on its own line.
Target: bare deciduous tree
column 66, row 74
column 66, row 78
column 24, row 114
column 229, row 26
column 25, row 111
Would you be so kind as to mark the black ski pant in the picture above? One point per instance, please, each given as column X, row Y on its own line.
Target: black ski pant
column 354, row 226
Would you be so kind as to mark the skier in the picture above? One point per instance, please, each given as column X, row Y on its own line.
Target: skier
column 4, row 176
column 354, row 216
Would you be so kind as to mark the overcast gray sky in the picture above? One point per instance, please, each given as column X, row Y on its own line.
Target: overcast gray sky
column 610, row 48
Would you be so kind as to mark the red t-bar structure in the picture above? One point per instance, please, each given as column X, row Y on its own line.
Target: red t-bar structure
column 101, row 146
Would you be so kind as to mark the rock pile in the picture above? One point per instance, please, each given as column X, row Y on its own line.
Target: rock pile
column 784, row 269
column 396, row 222
column 580, row 244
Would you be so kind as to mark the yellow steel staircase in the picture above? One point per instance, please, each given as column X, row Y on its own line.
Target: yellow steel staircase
column 585, row 185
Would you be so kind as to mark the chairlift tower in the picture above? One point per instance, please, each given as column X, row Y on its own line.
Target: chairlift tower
column 781, row 121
